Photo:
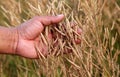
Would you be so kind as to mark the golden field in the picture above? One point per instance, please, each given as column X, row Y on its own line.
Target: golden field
column 98, row 55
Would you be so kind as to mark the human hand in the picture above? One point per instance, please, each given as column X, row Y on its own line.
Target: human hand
column 24, row 39
column 29, row 35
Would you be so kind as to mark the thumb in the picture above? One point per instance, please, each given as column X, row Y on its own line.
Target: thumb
column 48, row 20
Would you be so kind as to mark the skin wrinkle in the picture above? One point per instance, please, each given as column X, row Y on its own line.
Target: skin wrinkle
column 37, row 27
column 8, row 40
column 31, row 31
column 13, row 40
column 17, row 40
column 3, row 39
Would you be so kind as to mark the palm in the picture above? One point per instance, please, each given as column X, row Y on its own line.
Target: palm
column 26, row 48
column 29, row 37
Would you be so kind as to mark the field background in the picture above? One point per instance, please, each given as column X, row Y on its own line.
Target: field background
column 98, row 55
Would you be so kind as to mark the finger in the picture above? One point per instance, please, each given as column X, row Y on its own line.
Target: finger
column 67, row 50
column 48, row 20
column 42, row 48
column 78, row 40
column 79, row 31
column 73, row 24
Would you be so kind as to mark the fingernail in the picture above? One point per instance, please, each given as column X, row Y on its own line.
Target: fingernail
column 60, row 15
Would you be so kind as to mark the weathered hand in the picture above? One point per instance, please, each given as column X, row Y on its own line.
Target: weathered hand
column 23, row 39
column 29, row 35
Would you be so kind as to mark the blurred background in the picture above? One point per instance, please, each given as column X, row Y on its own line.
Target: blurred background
column 99, row 19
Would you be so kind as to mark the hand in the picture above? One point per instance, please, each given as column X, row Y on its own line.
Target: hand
column 29, row 35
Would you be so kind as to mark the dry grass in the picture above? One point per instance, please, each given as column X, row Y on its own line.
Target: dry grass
column 96, row 56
